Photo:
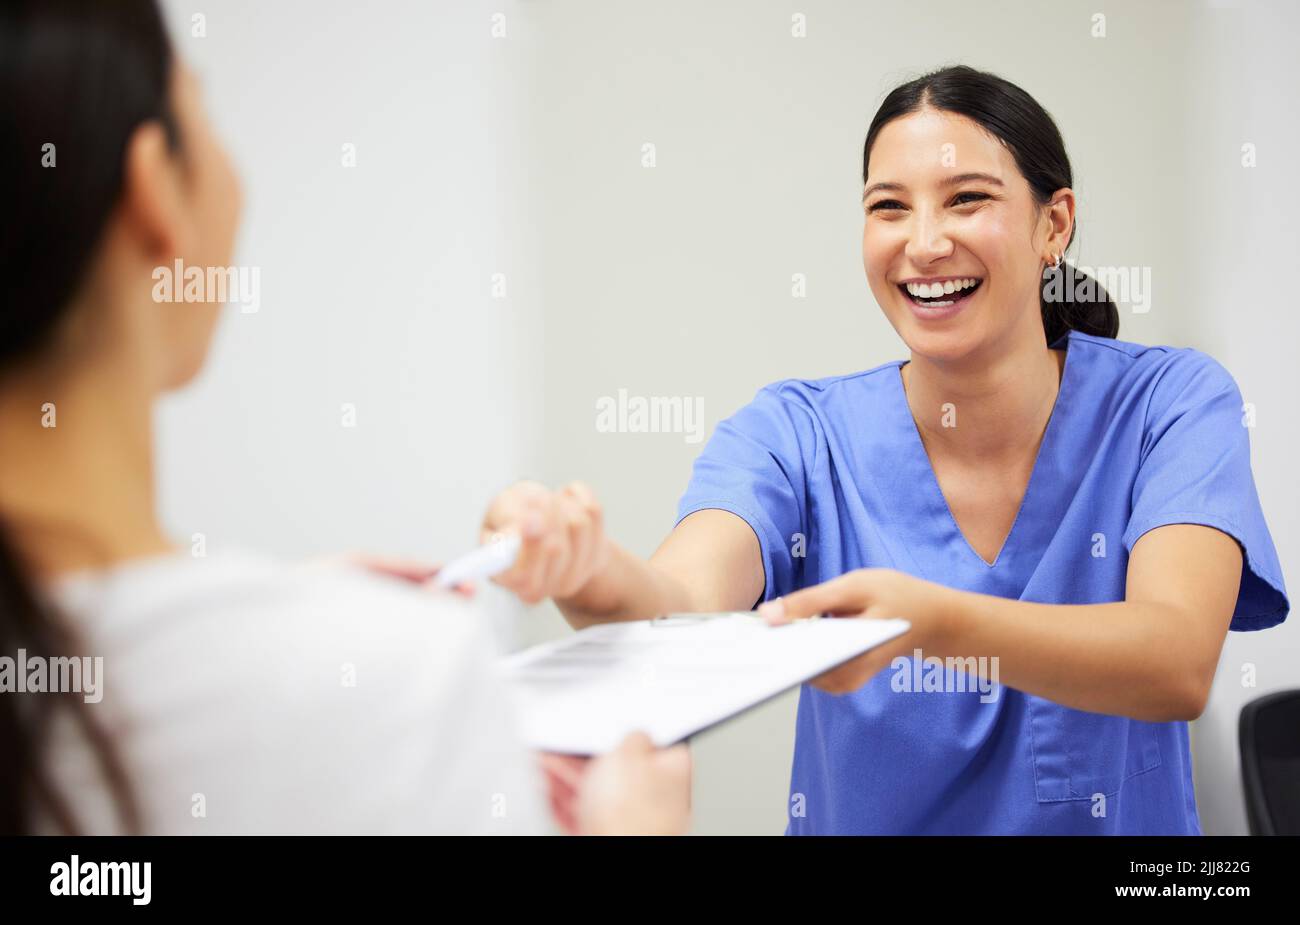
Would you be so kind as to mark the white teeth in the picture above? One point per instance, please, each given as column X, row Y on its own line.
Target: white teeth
column 934, row 290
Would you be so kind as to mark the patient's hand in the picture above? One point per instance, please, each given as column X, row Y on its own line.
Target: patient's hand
column 635, row 790
column 563, row 538
column 563, row 783
column 418, row 573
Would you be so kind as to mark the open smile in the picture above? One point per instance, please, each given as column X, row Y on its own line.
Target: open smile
column 940, row 299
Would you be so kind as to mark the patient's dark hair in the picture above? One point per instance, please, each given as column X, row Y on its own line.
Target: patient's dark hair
column 1028, row 132
column 77, row 78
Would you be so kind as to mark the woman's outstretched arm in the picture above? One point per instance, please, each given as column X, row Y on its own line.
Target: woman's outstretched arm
column 1150, row 657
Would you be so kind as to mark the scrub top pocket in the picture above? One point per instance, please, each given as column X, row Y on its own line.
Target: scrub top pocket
column 1078, row 754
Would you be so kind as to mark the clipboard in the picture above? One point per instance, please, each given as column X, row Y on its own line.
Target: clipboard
column 672, row 677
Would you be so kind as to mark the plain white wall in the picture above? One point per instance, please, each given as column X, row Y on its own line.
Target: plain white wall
column 675, row 280
column 1244, row 242
column 376, row 283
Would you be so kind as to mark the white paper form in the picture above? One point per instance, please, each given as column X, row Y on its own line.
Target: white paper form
column 672, row 677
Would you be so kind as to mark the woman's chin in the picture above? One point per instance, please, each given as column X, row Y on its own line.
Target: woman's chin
column 947, row 344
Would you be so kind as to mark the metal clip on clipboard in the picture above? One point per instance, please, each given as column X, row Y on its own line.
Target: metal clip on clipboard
column 689, row 619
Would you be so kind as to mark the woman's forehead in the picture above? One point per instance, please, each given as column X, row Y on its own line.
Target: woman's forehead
column 932, row 144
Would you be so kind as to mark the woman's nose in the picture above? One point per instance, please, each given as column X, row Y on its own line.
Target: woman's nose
column 928, row 241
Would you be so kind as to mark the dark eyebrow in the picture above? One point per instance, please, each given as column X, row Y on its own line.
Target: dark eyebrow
column 950, row 181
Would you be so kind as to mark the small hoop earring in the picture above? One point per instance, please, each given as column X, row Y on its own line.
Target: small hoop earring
column 1057, row 265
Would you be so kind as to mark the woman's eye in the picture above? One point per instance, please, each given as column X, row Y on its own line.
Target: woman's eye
column 891, row 205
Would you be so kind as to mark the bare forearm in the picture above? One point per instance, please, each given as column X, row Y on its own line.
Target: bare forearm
column 627, row 588
column 1131, row 658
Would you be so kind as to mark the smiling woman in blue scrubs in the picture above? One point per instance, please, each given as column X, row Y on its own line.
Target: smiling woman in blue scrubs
column 1024, row 488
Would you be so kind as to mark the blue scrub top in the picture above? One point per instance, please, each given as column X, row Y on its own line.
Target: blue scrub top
column 835, row 469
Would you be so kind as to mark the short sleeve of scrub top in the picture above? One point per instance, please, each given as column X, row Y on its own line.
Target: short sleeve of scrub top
column 832, row 476
column 756, row 466
column 1195, row 469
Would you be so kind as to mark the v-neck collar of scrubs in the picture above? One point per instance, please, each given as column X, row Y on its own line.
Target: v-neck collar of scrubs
column 1033, row 523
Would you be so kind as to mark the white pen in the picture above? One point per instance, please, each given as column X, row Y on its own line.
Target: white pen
column 490, row 559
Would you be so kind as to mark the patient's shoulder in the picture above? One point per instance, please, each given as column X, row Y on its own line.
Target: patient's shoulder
column 240, row 601
column 296, row 699
column 248, row 630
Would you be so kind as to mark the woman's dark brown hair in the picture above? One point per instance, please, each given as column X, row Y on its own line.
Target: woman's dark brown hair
column 77, row 78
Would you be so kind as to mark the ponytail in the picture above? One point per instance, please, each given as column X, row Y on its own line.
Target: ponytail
column 28, row 793
column 1072, row 300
